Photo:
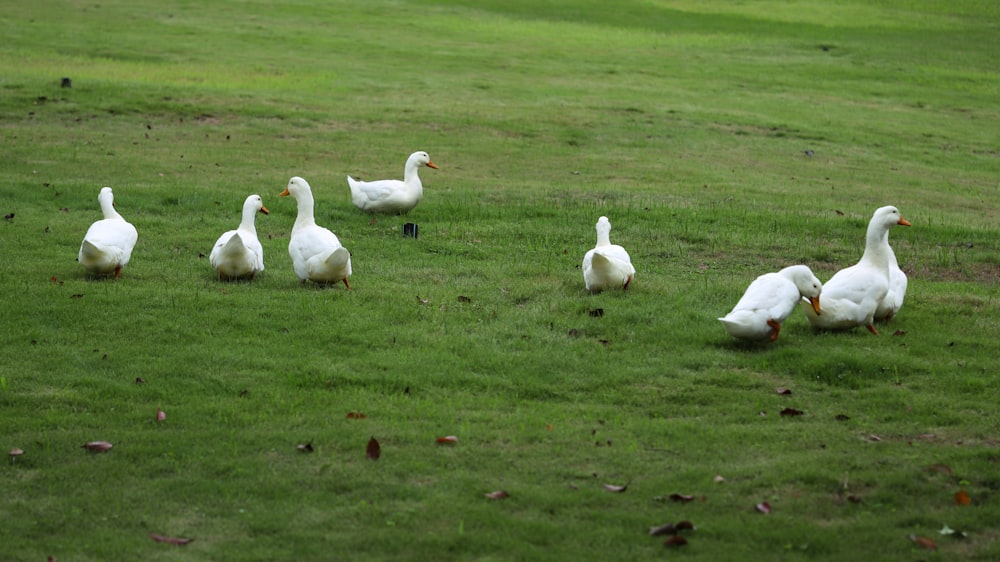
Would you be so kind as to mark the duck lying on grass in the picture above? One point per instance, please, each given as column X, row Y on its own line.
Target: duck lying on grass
column 237, row 254
column 607, row 265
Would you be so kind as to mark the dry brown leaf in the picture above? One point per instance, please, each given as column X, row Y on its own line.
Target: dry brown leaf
column 497, row 495
column 675, row 540
column 764, row 507
column 305, row 447
column 356, row 416
column 783, row 391
column 925, row 542
column 681, row 498
column 874, row 437
column 97, row 446
column 140, row 380
column 670, row 528
column 615, row 488
column 462, row 298
column 962, row 498
column 169, row 540
column 791, row 412
column 374, row 450
column 841, row 417
column 447, row 440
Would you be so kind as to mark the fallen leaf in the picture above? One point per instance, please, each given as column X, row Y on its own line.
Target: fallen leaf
column 681, row 498
column 448, row 440
column 616, row 489
column 925, row 542
column 670, row 528
column 764, row 507
column 305, row 447
column 97, row 446
column 854, row 499
column 874, row 437
column 899, row 333
column 374, row 450
column 783, row 391
column 76, row 296
column 356, row 416
column 841, row 213
column 462, row 298
column 962, row 498
column 841, row 417
column 169, row 540
column 422, row 301
column 719, row 479
column 548, row 427
column 497, row 495
column 675, row 540
column 140, row 380
column 160, row 415
column 9, row 216
column 791, row 412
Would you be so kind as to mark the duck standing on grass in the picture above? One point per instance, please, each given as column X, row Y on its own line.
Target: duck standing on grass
column 237, row 254
column 109, row 242
column 392, row 196
column 607, row 266
column 317, row 254
column 852, row 295
column 769, row 300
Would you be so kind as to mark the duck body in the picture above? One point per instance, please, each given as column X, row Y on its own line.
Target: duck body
column 107, row 246
column 852, row 296
column 392, row 196
column 607, row 265
column 768, row 302
column 893, row 301
column 316, row 252
column 237, row 254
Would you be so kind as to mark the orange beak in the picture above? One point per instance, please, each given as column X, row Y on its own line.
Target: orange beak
column 284, row 193
column 432, row 165
column 904, row 222
column 815, row 302
column 263, row 209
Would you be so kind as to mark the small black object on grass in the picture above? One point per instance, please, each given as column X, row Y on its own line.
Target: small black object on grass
column 410, row 229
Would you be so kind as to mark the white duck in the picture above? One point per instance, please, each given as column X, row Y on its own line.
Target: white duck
column 607, row 266
column 317, row 254
column 893, row 300
column 392, row 196
column 852, row 295
column 237, row 254
column 109, row 242
column 769, row 300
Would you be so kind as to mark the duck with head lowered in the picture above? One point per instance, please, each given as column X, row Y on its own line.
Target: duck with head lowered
column 392, row 196
column 317, row 254
column 852, row 296
column 769, row 300
column 107, row 246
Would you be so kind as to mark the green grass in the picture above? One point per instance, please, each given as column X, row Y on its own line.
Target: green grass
column 687, row 123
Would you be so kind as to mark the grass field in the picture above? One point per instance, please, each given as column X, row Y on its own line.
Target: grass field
column 722, row 139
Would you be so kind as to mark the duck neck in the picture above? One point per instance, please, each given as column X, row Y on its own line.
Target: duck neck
column 411, row 176
column 305, row 216
column 603, row 237
column 249, row 218
column 108, row 208
column 876, row 244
